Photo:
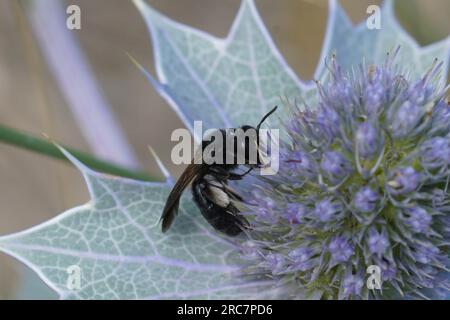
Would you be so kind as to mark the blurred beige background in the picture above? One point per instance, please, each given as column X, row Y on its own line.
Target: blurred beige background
column 34, row 188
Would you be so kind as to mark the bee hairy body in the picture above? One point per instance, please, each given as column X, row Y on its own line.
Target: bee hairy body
column 209, row 179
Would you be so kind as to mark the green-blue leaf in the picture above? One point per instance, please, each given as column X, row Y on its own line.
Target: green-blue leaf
column 236, row 79
column 354, row 45
column 116, row 242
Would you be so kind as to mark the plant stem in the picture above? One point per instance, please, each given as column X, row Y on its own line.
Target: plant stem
column 89, row 106
column 26, row 141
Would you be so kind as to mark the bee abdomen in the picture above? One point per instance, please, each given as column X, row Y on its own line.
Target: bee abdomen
column 223, row 218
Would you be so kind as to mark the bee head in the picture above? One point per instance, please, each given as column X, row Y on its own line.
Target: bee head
column 251, row 144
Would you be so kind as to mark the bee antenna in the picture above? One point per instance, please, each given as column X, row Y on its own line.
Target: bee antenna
column 265, row 117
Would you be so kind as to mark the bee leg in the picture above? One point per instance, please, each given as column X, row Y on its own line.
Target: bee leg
column 234, row 176
column 225, row 174
column 237, row 176
column 225, row 219
column 218, row 171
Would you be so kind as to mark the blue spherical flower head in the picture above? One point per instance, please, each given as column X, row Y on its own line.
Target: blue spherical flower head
column 364, row 182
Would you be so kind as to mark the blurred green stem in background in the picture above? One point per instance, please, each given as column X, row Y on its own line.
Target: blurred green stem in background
column 26, row 141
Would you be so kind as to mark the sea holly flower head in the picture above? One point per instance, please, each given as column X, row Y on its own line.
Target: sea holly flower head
column 365, row 182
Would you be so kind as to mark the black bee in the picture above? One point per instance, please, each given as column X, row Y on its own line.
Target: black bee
column 210, row 187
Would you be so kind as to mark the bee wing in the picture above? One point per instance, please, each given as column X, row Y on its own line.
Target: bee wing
column 173, row 201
